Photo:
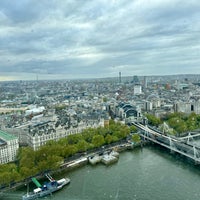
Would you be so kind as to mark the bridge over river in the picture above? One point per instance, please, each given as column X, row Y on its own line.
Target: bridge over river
column 185, row 146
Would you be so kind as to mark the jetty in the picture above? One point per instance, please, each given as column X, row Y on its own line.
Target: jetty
column 106, row 158
column 94, row 159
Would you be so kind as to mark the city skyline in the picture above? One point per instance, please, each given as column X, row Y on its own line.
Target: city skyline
column 96, row 39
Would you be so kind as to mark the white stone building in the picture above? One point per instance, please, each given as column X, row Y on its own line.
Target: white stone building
column 137, row 89
column 41, row 138
column 187, row 107
column 9, row 146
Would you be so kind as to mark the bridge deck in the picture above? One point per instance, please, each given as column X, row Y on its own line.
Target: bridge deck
column 172, row 143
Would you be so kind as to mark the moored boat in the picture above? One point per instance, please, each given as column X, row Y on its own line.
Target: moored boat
column 45, row 189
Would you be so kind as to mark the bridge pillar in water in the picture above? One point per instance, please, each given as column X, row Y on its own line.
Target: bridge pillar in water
column 195, row 153
column 146, row 134
column 171, row 145
column 194, row 150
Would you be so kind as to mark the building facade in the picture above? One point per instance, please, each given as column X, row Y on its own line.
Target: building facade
column 148, row 106
column 40, row 138
column 9, row 146
column 137, row 89
column 187, row 107
column 128, row 112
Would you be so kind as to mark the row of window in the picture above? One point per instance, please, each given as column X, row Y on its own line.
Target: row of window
column 8, row 153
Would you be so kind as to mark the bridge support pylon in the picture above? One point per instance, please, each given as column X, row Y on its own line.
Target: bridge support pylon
column 195, row 153
column 189, row 137
column 171, row 145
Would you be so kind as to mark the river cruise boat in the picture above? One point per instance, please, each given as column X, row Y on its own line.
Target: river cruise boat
column 45, row 189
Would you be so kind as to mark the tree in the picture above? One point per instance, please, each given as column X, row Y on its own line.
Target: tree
column 42, row 166
column 181, row 122
column 62, row 141
column 115, row 138
column 82, row 145
column 27, row 164
column 120, row 131
column 70, row 150
column 192, row 122
column 4, row 178
column 178, row 124
column 26, row 172
column 98, row 140
column 108, row 139
column 73, row 139
column 136, row 138
column 133, row 129
column 8, row 173
column 154, row 121
column 105, row 99
column 87, row 134
column 53, row 162
column 102, row 131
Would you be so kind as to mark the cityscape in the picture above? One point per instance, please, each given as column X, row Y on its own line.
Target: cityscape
column 29, row 114
column 99, row 100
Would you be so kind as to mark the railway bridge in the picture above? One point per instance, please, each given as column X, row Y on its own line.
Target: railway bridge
column 181, row 145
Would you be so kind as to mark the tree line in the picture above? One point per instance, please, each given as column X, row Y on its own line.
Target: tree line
column 49, row 157
column 178, row 122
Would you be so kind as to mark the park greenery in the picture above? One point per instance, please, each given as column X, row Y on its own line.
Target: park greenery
column 136, row 138
column 50, row 156
column 152, row 120
column 175, row 123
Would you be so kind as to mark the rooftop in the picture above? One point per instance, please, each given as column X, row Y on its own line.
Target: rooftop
column 6, row 136
column 2, row 142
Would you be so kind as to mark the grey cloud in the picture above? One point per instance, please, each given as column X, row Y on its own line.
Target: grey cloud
column 96, row 38
column 19, row 11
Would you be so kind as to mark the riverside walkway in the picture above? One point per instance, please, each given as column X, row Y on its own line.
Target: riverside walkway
column 181, row 145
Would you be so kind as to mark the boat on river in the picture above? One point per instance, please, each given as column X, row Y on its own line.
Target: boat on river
column 46, row 189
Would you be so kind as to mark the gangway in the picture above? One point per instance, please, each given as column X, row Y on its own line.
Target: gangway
column 36, row 182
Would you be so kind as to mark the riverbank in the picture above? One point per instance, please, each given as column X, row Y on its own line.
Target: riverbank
column 83, row 160
column 75, row 163
column 148, row 173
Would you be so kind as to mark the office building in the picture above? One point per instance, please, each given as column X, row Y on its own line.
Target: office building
column 9, row 146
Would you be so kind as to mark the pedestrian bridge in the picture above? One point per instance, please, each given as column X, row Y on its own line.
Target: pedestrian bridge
column 181, row 145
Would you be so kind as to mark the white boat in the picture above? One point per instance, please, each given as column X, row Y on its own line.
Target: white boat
column 46, row 189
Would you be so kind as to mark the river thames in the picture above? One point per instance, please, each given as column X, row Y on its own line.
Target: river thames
column 150, row 173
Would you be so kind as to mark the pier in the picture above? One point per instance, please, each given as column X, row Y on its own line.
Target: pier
column 106, row 158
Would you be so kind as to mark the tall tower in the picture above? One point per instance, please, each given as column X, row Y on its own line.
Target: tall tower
column 145, row 82
column 120, row 77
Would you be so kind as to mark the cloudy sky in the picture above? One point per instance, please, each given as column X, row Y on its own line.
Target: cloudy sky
column 98, row 38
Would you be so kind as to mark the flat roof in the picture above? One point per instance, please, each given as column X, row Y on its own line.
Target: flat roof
column 6, row 136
